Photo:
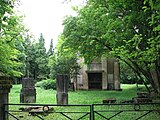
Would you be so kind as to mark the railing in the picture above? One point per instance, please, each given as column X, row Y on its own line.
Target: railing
column 146, row 111
column 48, row 111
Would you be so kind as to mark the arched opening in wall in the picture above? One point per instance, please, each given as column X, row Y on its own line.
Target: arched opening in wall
column 95, row 80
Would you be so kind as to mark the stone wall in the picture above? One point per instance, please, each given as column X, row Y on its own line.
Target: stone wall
column 110, row 70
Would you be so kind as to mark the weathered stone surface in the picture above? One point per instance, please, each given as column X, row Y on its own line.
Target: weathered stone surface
column 109, row 100
column 142, row 100
column 62, row 83
column 28, row 91
column 32, row 110
column 109, row 70
column 116, row 75
column 62, row 98
column 62, row 89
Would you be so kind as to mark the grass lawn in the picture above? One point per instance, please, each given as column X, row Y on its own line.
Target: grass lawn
column 80, row 97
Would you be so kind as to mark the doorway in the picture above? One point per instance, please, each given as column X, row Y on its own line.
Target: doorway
column 95, row 80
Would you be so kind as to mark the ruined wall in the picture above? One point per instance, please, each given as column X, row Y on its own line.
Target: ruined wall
column 110, row 70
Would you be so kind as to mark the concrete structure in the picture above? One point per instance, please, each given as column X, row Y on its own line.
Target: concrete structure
column 100, row 74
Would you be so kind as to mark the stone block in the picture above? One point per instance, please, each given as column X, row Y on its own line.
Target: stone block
column 109, row 100
column 28, row 91
column 62, row 98
column 62, row 85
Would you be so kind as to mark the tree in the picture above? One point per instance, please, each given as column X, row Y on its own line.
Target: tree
column 11, row 35
column 64, row 62
column 51, row 49
column 36, row 58
column 41, row 70
column 128, row 30
column 29, row 57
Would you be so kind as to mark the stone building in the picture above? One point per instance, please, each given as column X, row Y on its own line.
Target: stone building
column 100, row 74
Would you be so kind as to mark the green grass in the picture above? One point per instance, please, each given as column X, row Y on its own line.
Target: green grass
column 80, row 97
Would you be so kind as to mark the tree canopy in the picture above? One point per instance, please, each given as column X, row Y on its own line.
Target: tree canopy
column 11, row 37
column 63, row 61
column 128, row 30
column 36, row 58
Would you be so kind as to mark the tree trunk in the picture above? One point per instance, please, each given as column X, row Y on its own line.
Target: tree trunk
column 156, row 81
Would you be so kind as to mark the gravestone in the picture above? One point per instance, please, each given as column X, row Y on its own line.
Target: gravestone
column 5, row 86
column 28, row 91
column 62, row 89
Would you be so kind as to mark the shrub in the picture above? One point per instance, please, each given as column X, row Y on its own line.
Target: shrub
column 47, row 84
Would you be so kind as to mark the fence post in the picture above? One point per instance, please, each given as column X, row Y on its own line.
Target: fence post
column 92, row 112
column 5, row 86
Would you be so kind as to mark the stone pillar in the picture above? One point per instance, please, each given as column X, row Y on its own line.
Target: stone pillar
column 116, row 75
column 28, row 91
column 110, row 72
column 85, row 77
column 104, row 74
column 62, row 89
column 5, row 86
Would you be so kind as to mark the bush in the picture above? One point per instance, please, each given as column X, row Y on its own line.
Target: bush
column 47, row 84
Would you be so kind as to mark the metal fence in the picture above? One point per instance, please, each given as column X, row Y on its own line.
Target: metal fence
column 146, row 111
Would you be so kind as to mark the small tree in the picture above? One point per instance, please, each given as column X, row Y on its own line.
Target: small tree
column 41, row 70
column 64, row 62
column 51, row 49
column 36, row 59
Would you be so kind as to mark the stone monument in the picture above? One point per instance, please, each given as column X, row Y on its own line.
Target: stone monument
column 103, row 73
column 5, row 86
column 62, row 89
column 28, row 91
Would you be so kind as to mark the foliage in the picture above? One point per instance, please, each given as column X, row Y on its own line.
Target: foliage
column 29, row 56
column 36, row 58
column 63, row 62
column 127, row 75
column 128, row 30
column 51, row 49
column 11, row 38
column 41, row 59
column 47, row 84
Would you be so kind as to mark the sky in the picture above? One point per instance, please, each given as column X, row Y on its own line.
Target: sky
column 46, row 16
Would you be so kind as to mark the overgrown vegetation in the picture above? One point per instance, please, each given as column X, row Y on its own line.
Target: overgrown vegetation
column 47, row 84
column 127, row 30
